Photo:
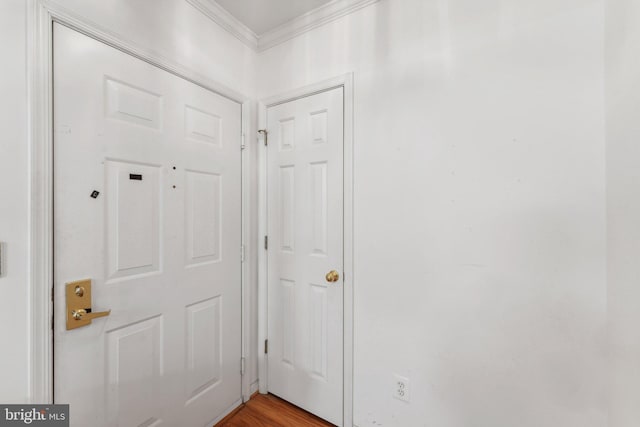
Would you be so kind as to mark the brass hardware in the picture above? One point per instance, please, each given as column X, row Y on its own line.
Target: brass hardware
column 80, row 314
column 78, row 296
column 332, row 276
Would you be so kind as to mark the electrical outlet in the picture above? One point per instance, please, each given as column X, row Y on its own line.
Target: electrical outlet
column 401, row 388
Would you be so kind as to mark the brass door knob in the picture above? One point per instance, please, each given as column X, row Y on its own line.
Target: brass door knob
column 77, row 314
column 332, row 276
column 81, row 314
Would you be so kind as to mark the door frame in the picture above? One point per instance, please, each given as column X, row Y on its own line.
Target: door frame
column 344, row 81
column 41, row 15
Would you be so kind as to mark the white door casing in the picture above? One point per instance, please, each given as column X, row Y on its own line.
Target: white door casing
column 165, row 259
column 305, row 241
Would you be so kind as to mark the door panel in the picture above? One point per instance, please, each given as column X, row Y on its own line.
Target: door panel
column 160, row 241
column 305, row 227
column 132, row 219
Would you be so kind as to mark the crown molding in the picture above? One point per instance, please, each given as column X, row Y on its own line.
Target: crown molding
column 315, row 18
column 220, row 16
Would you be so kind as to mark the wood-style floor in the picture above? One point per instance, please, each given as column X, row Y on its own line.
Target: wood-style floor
column 267, row 410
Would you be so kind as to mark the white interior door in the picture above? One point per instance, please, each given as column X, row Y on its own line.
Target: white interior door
column 305, row 242
column 161, row 241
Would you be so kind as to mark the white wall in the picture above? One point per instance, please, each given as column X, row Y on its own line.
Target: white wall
column 479, row 206
column 172, row 28
column 178, row 31
column 13, row 202
column 623, row 204
column 480, row 227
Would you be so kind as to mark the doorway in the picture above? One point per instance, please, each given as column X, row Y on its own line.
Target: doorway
column 147, row 224
column 307, row 223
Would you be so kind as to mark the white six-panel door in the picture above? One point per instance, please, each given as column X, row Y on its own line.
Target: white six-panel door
column 305, row 242
column 161, row 241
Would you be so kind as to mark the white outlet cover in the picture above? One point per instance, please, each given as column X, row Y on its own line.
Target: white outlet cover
column 401, row 388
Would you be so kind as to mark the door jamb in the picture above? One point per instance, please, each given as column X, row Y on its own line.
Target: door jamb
column 41, row 14
column 346, row 82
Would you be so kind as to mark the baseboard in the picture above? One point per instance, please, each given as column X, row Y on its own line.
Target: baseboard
column 253, row 388
column 227, row 413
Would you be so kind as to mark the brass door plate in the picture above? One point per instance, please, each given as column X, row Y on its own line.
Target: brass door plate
column 78, row 297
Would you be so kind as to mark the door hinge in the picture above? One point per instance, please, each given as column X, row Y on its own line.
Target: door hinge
column 266, row 136
column 266, row 243
column 242, row 144
column 1, row 259
column 242, row 253
column 266, row 346
column 242, row 365
column 52, row 314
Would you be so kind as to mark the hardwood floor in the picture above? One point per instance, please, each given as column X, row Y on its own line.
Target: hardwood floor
column 271, row 411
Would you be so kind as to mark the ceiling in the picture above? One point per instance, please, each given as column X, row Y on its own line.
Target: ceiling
column 263, row 15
